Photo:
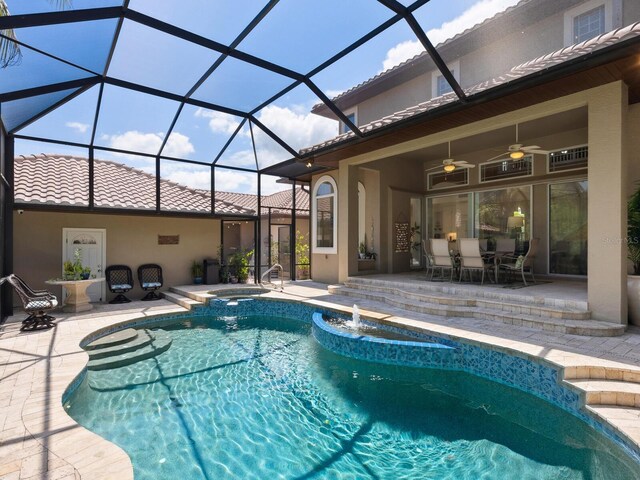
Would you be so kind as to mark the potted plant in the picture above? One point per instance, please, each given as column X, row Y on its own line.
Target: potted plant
column 633, row 253
column 196, row 272
column 302, row 256
column 225, row 276
column 362, row 250
column 68, row 271
column 239, row 261
column 86, row 273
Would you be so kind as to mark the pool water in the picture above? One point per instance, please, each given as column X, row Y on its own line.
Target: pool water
column 258, row 398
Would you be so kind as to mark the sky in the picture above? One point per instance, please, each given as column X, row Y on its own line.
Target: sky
column 298, row 34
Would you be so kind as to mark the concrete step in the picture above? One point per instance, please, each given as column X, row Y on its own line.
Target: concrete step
column 471, row 291
column 459, row 298
column 200, row 296
column 116, row 338
column 161, row 343
column 608, row 392
column 585, row 371
column 561, row 325
column 141, row 340
column 181, row 300
column 624, row 420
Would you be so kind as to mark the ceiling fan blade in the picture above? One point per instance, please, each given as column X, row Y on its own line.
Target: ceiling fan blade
column 467, row 165
column 502, row 155
column 439, row 167
column 531, row 147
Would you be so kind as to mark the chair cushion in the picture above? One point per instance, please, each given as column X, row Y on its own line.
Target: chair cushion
column 519, row 262
column 151, row 285
column 41, row 304
column 122, row 286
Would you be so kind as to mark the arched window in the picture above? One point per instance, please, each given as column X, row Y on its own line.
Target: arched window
column 325, row 216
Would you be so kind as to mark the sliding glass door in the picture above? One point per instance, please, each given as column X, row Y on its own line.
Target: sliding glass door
column 504, row 213
column 568, row 228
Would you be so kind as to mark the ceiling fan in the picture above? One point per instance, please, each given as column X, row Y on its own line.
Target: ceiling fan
column 518, row 150
column 449, row 164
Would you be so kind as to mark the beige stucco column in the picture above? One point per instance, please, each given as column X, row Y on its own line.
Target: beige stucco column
column 347, row 221
column 607, row 274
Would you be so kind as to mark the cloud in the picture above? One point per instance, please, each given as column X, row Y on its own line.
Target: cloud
column 178, row 145
column 295, row 127
column 234, row 181
column 475, row 14
column 80, row 127
column 401, row 52
column 218, row 122
column 192, row 176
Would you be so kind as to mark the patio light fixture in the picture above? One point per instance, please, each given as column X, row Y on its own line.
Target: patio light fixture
column 309, row 163
column 449, row 168
column 517, row 155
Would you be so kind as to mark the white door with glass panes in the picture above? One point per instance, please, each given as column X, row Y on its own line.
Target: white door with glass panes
column 90, row 245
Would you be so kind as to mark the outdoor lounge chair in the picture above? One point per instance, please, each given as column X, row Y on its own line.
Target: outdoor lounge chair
column 521, row 264
column 120, row 281
column 150, row 278
column 35, row 302
column 441, row 257
column 471, row 259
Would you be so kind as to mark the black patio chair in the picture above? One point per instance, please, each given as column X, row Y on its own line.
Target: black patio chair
column 35, row 302
column 150, row 278
column 120, row 281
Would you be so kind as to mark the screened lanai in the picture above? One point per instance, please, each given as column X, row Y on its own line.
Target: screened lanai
column 246, row 97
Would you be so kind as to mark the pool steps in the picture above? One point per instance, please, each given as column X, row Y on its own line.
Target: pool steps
column 126, row 347
column 532, row 312
column 610, row 394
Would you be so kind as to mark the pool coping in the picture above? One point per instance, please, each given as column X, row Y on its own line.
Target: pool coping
column 73, row 449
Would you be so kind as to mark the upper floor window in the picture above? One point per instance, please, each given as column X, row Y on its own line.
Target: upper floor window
column 588, row 25
column 439, row 84
column 506, row 168
column 591, row 18
column 568, row 159
column 352, row 118
column 325, row 216
column 443, row 86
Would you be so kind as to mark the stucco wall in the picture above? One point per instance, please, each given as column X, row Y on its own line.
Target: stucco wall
column 130, row 240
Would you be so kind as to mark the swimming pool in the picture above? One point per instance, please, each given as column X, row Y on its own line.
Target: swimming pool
column 246, row 396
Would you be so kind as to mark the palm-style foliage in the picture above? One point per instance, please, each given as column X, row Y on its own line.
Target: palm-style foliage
column 10, row 53
column 633, row 231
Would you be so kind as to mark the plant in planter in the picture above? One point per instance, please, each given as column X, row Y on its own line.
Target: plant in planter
column 68, row 271
column 362, row 250
column 302, row 256
column 196, row 272
column 633, row 253
column 225, row 276
column 239, row 262
column 74, row 270
column 86, row 273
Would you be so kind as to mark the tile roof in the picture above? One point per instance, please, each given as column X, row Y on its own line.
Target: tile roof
column 278, row 201
column 424, row 55
column 519, row 71
column 63, row 180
